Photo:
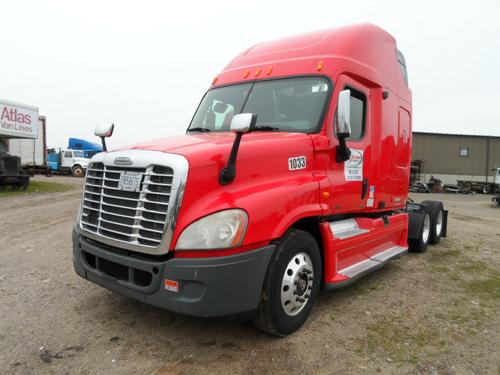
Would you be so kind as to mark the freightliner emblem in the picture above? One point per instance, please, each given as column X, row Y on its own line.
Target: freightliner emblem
column 123, row 160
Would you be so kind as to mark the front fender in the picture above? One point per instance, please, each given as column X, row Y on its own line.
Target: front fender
column 273, row 201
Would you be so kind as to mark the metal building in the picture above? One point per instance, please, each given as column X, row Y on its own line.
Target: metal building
column 452, row 157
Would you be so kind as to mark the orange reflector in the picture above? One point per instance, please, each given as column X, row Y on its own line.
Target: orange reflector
column 258, row 71
column 246, row 74
column 326, row 195
column 269, row 70
column 215, row 80
column 320, row 65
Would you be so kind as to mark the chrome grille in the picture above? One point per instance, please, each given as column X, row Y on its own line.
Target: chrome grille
column 138, row 218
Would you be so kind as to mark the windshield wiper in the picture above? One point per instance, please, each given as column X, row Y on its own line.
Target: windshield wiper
column 266, row 128
column 199, row 129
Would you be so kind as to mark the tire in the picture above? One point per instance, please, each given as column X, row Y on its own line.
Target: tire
column 284, row 305
column 486, row 189
column 77, row 171
column 460, row 186
column 436, row 211
column 467, row 187
column 420, row 245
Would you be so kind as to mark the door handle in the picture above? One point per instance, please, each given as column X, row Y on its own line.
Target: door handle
column 364, row 189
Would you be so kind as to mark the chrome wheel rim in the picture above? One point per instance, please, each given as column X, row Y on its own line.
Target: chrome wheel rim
column 439, row 223
column 297, row 284
column 426, row 229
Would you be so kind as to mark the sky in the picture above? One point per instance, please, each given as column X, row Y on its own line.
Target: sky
column 145, row 65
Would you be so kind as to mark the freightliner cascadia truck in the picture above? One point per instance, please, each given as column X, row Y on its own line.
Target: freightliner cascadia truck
column 292, row 178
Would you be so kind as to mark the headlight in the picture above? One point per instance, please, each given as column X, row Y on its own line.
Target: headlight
column 221, row 230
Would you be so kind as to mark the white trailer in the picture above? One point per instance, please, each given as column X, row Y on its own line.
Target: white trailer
column 484, row 187
column 33, row 152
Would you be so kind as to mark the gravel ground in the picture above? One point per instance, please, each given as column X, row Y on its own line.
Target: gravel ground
column 435, row 313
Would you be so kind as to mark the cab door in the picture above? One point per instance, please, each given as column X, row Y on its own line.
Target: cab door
column 350, row 180
column 67, row 159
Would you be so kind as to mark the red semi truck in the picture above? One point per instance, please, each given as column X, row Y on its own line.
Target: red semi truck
column 292, row 177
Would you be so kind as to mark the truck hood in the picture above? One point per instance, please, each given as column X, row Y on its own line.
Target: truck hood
column 203, row 149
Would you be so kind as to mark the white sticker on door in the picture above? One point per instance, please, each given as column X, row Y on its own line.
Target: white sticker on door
column 353, row 168
column 298, row 162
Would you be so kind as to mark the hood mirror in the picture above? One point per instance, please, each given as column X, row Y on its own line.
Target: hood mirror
column 104, row 131
column 243, row 123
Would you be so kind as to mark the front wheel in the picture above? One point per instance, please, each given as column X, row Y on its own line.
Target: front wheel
column 77, row 171
column 291, row 285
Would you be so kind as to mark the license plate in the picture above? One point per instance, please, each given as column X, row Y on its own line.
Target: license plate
column 130, row 181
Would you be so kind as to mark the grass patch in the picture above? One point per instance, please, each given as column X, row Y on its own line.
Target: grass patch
column 476, row 266
column 446, row 254
column 398, row 340
column 38, row 187
column 488, row 288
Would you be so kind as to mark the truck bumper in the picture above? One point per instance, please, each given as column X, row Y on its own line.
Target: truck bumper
column 206, row 287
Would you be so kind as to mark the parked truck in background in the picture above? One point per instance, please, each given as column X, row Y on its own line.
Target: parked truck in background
column 292, row 177
column 485, row 187
column 75, row 159
column 89, row 148
column 20, row 142
column 66, row 161
column 32, row 151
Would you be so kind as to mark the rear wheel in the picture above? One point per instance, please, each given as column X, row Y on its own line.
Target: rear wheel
column 436, row 211
column 291, row 285
column 419, row 245
column 486, row 189
column 467, row 187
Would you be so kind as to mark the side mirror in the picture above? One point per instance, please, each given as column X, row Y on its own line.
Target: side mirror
column 243, row 123
column 343, row 129
column 103, row 131
column 344, row 114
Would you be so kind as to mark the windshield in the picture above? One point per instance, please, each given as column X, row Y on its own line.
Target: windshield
column 288, row 105
column 78, row 154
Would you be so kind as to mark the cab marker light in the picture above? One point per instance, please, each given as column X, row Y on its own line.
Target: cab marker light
column 269, row 70
column 320, row 65
column 246, row 74
column 215, row 80
column 258, row 71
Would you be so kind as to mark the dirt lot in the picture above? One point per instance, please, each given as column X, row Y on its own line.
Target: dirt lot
column 435, row 313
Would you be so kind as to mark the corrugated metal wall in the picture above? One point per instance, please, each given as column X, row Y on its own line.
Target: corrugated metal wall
column 442, row 153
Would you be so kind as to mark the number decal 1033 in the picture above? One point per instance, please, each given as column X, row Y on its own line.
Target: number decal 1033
column 295, row 163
